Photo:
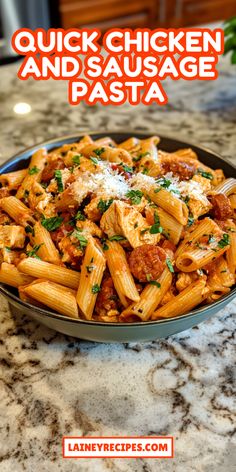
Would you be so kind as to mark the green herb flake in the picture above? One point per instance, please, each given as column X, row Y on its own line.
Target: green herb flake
column 205, row 174
column 33, row 252
column 99, row 151
column 186, row 200
column 169, row 265
column 144, row 154
column 8, row 248
column 190, row 221
column 79, row 216
column 117, row 237
column 135, row 225
column 103, row 205
column 94, row 160
column 211, row 239
column 76, row 159
column 154, row 282
column 135, row 196
column 53, row 223
column 82, row 240
column 89, row 269
column 224, row 241
column 156, row 228
column 145, row 171
column 58, row 177
column 96, row 288
column 148, row 277
column 105, row 246
column 158, row 189
column 33, row 170
column 126, row 168
column 163, row 182
column 29, row 229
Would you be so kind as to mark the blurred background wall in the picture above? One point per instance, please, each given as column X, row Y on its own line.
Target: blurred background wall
column 106, row 14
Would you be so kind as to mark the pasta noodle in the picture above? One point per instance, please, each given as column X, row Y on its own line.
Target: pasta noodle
column 117, row 232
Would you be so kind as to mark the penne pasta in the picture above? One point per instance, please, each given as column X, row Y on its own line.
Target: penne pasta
column 56, row 297
column 13, row 179
column 92, row 270
column 188, row 299
column 17, row 210
column 120, row 273
column 171, row 204
column 46, row 248
column 34, row 173
column 150, row 298
column 227, row 187
column 115, row 155
column 10, row 275
column 44, row 270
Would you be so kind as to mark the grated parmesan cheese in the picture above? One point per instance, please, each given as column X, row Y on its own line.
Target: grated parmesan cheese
column 107, row 183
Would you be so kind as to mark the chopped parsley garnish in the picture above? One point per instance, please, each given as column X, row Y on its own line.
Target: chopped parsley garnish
column 105, row 246
column 99, row 151
column 211, row 238
column 33, row 252
column 33, row 170
column 79, row 216
column 135, row 225
column 169, row 265
column 190, row 221
column 29, row 229
column 58, row 177
column 156, row 228
column 96, row 288
column 158, row 189
column 51, row 224
column 82, row 240
column 205, row 174
column 186, row 200
column 94, row 160
column 224, row 241
column 154, row 282
column 126, row 168
column 163, row 182
column 117, row 237
column 7, row 248
column 136, row 159
column 103, row 205
column 76, row 159
column 145, row 171
column 89, row 269
column 135, row 196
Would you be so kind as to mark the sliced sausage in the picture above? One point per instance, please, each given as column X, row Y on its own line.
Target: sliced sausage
column 179, row 167
column 147, row 262
column 107, row 298
column 221, row 206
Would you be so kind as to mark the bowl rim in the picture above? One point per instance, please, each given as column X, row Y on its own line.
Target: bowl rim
column 131, row 132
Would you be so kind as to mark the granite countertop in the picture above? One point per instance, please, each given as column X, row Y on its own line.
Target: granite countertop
column 52, row 385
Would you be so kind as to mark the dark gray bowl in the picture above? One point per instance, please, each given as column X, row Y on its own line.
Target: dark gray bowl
column 112, row 332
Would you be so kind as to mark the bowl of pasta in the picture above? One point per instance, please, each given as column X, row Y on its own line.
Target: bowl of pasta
column 117, row 237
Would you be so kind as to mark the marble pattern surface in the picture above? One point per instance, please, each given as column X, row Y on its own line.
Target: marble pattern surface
column 52, row 385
